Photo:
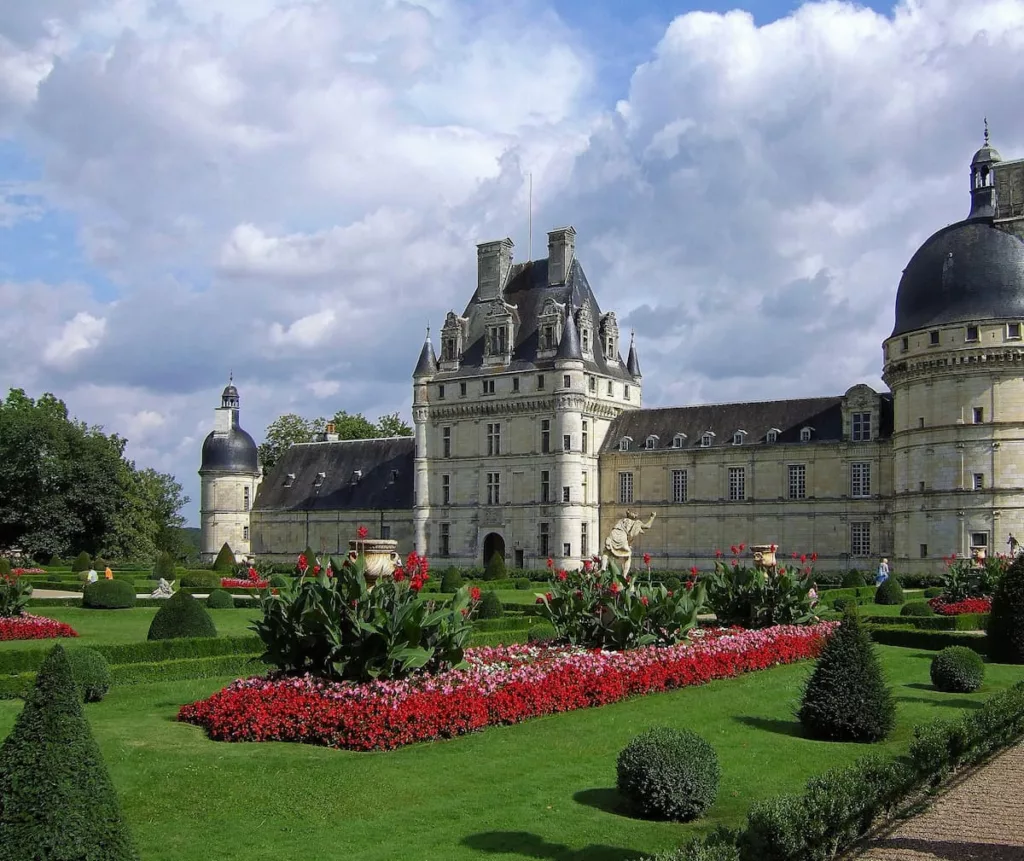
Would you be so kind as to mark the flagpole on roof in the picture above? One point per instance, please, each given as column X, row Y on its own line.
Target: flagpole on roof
column 529, row 256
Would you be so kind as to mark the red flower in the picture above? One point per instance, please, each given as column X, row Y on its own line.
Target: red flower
column 795, row 555
column 399, row 575
column 253, row 574
column 743, row 547
column 316, row 569
column 814, row 557
column 588, row 565
column 775, row 547
column 551, row 562
column 615, row 588
column 719, row 554
column 474, row 593
column 645, row 600
column 562, row 575
column 362, row 532
column 733, row 549
column 694, row 571
column 303, row 562
column 647, row 559
column 803, row 558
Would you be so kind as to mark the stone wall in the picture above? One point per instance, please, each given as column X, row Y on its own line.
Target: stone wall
column 279, row 536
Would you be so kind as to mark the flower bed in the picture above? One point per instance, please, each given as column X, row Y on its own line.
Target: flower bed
column 502, row 685
column 19, row 571
column 957, row 608
column 30, row 627
column 242, row 583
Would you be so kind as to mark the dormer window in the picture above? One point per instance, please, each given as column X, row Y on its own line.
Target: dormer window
column 497, row 340
column 449, row 350
column 651, row 442
column 624, row 443
column 289, row 479
column 772, row 435
column 394, row 476
column 549, row 329
column 585, row 340
column 547, row 338
column 678, row 440
column 737, row 438
column 319, row 480
column 585, row 326
column 357, row 476
column 706, row 439
column 610, row 337
column 805, row 434
column 453, row 334
column 500, row 326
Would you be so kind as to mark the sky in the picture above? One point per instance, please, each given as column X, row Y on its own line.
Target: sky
column 293, row 190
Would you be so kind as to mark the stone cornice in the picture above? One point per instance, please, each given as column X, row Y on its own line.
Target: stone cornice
column 948, row 363
column 525, row 406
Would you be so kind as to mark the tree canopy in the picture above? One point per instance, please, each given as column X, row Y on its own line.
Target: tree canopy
column 66, row 487
column 291, row 428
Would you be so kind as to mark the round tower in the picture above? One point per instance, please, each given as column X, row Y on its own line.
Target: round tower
column 229, row 476
column 570, row 403
column 426, row 368
column 954, row 362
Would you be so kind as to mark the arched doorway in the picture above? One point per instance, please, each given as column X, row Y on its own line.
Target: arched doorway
column 493, row 543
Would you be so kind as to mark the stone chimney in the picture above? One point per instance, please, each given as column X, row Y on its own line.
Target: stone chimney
column 329, row 435
column 561, row 250
column 493, row 261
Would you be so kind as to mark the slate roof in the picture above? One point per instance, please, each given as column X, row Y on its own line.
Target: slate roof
column 824, row 415
column 386, row 481
column 569, row 345
column 527, row 288
column 427, row 364
column 633, row 362
column 231, row 452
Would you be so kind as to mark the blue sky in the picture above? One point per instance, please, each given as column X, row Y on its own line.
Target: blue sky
column 293, row 190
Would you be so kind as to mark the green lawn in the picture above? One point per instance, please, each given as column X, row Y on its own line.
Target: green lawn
column 541, row 790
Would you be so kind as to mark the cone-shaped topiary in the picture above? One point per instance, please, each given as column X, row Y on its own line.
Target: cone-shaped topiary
column 83, row 562
column 853, row 579
column 220, row 599
column 490, row 606
column 181, row 616
column 958, row 670
column 495, row 569
column 57, row 802
column 225, row 561
column 91, row 673
column 847, row 697
column 890, row 592
column 1006, row 622
column 452, row 580
column 164, row 567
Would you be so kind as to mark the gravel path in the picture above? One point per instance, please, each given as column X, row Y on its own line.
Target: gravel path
column 979, row 819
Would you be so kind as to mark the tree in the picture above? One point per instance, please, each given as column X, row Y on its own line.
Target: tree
column 354, row 426
column 1006, row 623
column 392, row 425
column 283, row 432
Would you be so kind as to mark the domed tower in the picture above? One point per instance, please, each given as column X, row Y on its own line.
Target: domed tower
column 229, row 475
column 955, row 364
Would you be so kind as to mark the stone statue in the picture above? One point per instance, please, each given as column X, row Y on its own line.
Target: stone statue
column 1014, row 545
column 163, row 589
column 617, row 544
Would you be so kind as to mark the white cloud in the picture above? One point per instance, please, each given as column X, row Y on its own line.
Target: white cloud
column 306, row 332
column 81, row 333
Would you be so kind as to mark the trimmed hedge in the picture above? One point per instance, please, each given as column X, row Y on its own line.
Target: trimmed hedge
column 890, row 593
column 507, row 623
column 490, row 606
column 963, row 622
column 933, row 592
column 220, row 599
column 915, row 638
column 541, row 632
column 83, row 562
column 109, row 595
column 91, row 673
column 181, row 616
column 200, row 579
column 917, row 608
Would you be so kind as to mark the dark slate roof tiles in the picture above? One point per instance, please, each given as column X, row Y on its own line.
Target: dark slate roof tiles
column 427, row 364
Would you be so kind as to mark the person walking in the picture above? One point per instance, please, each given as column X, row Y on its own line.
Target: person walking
column 108, row 573
column 883, row 572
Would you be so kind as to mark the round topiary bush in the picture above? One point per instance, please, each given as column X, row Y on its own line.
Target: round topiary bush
column 109, row 595
column 181, row 616
column 452, row 581
column 83, row 562
column 673, row 583
column 933, row 592
column 917, row 608
column 890, row 593
column 847, row 698
column 541, row 633
column 220, row 599
column 669, row 773
column 200, row 579
column 91, row 673
column 490, row 606
column 958, row 670
column 854, row 579
column 523, row 584
column 164, row 567
column 1006, row 622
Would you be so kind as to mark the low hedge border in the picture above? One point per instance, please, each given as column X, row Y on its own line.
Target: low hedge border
column 840, row 807
column 506, row 623
column 499, row 638
column 916, row 638
column 963, row 622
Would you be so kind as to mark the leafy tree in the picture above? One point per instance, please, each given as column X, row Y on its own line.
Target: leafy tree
column 283, row 432
column 392, row 425
column 354, row 426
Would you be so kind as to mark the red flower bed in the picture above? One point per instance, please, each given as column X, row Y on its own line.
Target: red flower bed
column 503, row 685
column 957, row 608
column 241, row 583
column 19, row 571
column 30, row 627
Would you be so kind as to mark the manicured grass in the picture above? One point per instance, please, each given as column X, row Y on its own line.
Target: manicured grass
column 543, row 789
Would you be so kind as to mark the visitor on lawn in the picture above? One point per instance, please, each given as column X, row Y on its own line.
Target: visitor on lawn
column 883, row 572
column 108, row 573
column 813, row 595
column 92, row 575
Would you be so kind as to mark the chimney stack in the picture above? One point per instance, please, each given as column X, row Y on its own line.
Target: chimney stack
column 561, row 250
column 329, row 434
column 493, row 259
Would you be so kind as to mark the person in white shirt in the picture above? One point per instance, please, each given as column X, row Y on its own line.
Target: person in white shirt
column 883, row 572
column 93, row 576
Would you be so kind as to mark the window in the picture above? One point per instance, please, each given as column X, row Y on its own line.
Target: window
column 678, row 440
column 585, row 343
column 924, row 551
column 540, row 382
column 592, row 383
column 545, row 486
column 545, row 436
column 979, row 415
column 494, row 488
column 933, row 338
column 462, row 390
column 394, row 476
column 497, row 340
column 515, row 384
column 493, row 438
column 446, row 539
column 245, row 498
column 625, row 392
column 446, row 490
column 737, row 483
column 626, row 488
column 583, row 490
column 797, row 481
column 920, row 421
column 651, row 442
column 565, row 494
column 567, row 549
column 1013, row 331
column 679, row 485
column 920, row 487
column 860, row 539
column 805, row 434
column 440, row 393
column 972, row 333
column 705, row 439
column 446, row 442
column 584, row 541
column 772, row 435
column 979, row 481
column 737, row 438
column 449, row 350
column 547, row 338
column 860, row 480
column 245, row 533
column 979, row 539
column 545, row 539
column 905, row 345
column 488, row 387
column 586, row 437
column 319, row 480
column 566, row 442
column 611, row 390
column 566, row 381
column 861, row 430
column 289, row 479
column 624, row 443
column 385, row 532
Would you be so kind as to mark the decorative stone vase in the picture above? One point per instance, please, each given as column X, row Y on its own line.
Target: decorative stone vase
column 978, row 555
column 764, row 556
column 381, row 556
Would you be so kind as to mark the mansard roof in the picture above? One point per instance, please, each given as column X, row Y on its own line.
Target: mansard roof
column 527, row 289
column 824, row 415
column 357, row 475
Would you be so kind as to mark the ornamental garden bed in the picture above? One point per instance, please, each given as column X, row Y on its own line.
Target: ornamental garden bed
column 28, row 626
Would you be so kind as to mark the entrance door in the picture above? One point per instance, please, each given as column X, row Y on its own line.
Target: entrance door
column 493, row 543
column 520, row 560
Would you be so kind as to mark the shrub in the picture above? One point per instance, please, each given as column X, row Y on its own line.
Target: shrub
column 109, row 595
column 1006, row 622
column 58, row 800
column 495, row 567
column 452, row 580
column 199, row 580
column 164, row 567
column 181, row 616
column 490, row 606
column 91, row 673
column 753, row 598
column 933, row 592
column 220, row 599
column 917, row 608
column 541, row 633
column 673, row 583
column 854, row 579
column 5, row 566
column 15, row 591
column 523, row 584
column 957, row 670
column 83, row 562
column 278, row 580
column 669, row 773
column 225, row 561
column 890, row 593
column 847, row 698
column 842, row 604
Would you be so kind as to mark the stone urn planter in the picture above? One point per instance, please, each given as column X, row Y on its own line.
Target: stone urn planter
column 764, row 556
column 978, row 555
column 381, row 556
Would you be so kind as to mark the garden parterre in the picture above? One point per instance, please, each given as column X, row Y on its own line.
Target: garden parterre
column 31, row 627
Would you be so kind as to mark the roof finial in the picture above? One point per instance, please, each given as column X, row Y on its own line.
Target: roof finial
column 428, row 331
column 986, row 131
column 231, row 376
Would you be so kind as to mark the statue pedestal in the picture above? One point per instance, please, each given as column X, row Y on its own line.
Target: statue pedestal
column 381, row 555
